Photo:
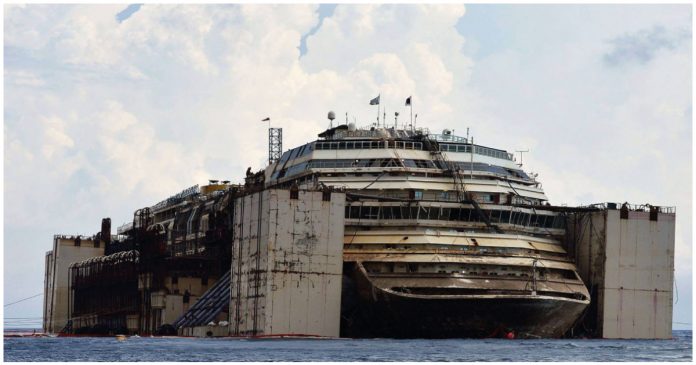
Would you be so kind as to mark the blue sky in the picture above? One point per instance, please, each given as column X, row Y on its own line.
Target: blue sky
column 113, row 107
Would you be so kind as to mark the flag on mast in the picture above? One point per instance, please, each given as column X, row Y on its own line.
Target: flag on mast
column 408, row 101
column 375, row 101
column 266, row 120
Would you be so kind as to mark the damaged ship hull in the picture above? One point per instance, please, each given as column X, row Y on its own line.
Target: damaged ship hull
column 371, row 311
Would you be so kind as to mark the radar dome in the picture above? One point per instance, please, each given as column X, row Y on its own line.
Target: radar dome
column 351, row 126
column 332, row 115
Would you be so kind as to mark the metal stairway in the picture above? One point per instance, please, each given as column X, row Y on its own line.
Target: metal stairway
column 208, row 306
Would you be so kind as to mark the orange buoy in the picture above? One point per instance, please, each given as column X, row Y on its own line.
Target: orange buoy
column 510, row 335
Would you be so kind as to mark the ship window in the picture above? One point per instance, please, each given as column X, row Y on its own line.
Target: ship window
column 524, row 219
column 475, row 216
column 486, row 198
column 368, row 212
column 388, row 212
column 414, row 212
column 453, row 214
column 385, row 213
column 422, row 213
column 495, row 216
column 404, row 213
column 536, row 220
column 353, row 212
column 417, row 195
column 505, row 216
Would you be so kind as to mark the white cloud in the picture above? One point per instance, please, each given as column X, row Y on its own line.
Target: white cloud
column 55, row 137
column 23, row 78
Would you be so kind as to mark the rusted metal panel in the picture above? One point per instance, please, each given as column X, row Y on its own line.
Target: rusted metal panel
column 432, row 185
column 287, row 264
column 497, row 282
column 66, row 251
column 531, row 243
column 469, row 259
column 630, row 258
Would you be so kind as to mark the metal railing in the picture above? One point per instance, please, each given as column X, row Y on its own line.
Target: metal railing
column 632, row 207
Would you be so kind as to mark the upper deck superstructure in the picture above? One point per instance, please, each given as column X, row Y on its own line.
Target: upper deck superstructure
column 435, row 218
column 410, row 158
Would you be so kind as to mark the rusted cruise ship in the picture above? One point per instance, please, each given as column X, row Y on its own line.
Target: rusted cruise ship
column 443, row 237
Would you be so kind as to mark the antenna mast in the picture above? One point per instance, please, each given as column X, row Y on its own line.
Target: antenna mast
column 521, row 152
column 275, row 144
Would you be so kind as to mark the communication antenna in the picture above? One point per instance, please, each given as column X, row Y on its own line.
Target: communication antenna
column 467, row 134
column 396, row 120
column 521, row 152
column 331, row 117
column 275, row 142
column 471, row 167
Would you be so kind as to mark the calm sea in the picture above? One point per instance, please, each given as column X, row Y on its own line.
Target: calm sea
column 227, row 349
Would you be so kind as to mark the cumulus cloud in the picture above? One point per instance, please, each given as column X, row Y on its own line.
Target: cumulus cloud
column 55, row 137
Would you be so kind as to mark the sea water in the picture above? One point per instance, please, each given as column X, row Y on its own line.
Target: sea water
column 230, row 349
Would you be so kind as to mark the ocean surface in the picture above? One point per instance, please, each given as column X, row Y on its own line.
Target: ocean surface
column 227, row 349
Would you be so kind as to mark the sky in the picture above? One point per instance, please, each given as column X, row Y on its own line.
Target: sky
column 110, row 108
